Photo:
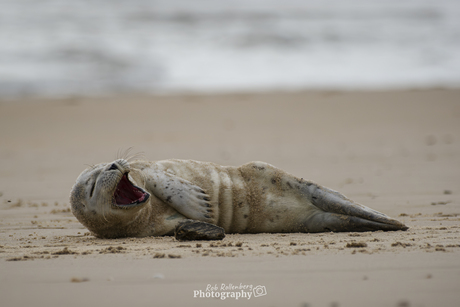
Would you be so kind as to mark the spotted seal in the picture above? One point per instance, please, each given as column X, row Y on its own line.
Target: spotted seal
column 142, row 198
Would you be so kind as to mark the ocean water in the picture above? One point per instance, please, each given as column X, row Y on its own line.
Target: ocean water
column 85, row 47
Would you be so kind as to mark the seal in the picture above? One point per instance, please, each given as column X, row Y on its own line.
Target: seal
column 142, row 198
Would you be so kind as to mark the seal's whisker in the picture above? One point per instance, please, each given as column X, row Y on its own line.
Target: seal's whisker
column 136, row 156
column 123, row 153
column 126, row 153
column 102, row 199
column 103, row 213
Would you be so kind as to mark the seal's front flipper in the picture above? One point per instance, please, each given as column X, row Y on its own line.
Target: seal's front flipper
column 185, row 197
column 338, row 213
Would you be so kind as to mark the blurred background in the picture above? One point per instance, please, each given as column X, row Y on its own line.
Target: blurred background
column 82, row 47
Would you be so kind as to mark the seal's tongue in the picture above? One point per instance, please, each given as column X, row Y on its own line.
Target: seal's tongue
column 128, row 194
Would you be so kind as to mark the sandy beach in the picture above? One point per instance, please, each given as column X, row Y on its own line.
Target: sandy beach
column 395, row 151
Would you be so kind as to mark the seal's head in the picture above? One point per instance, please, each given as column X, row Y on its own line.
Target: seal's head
column 107, row 199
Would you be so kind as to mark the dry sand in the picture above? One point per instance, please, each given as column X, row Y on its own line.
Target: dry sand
column 397, row 152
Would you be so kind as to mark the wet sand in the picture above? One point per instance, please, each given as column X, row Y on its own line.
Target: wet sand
column 397, row 152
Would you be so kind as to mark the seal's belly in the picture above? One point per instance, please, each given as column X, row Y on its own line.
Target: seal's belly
column 225, row 186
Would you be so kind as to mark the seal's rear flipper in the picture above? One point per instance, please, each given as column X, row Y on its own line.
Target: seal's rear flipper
column 326, row 221
column 338, row 213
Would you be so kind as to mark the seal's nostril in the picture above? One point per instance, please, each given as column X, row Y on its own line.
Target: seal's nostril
column 113, row 166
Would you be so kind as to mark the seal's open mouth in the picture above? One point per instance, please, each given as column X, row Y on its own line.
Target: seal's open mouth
column 128, row 195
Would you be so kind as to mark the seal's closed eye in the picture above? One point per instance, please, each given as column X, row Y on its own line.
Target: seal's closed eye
column 92, row 189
